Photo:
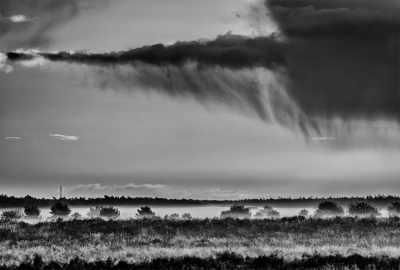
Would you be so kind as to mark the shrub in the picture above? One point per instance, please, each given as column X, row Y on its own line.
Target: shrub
column 303, row 213
column 394, row 209
column 237, row 211
column 268, row 208
column 109, row 212
column 328, row 208
column 32, row 210
column 318, row 213
column 267, row 211
column 76, row 215
column 11, row 214
column 145, row 212
column 363, row 209
column 174, row 216
column 187, row 216
column 94, row 211
column 259, row 214
column 60, row 209
column 272, row 213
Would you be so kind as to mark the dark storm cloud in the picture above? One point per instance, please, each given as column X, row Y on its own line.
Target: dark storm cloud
column 230, row 51
column 28, row 32
column 344, row 57
column 225, row 70
column 335, row 58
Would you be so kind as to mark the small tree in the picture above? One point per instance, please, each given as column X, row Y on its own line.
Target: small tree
column 259, row 214
column 174, row 216
column 303, row 213
column 145, row 212
column 363, row 209
column 76, row 215
column 94, row 211
column 12, row 214
column 187, row 216
column 394, row 209
column 60, row 209
column 237, row 211
column 32, row 210
column 328, row 208
column 267, row 211
column 109, row 212
column 273, row 214
column 267, row 208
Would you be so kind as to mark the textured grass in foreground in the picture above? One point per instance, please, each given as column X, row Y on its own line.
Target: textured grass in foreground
column 225, row 260
column 139, row 241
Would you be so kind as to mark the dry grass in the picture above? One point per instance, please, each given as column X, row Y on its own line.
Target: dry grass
column 136, row 241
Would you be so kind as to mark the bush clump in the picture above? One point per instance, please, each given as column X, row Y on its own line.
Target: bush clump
column 267, row 211
column 32, row 210
column 109, row 212
column 363, row 209
column 303, row 213
column 187, row 216
column 394, row 209
column 76, row 215
column 94, row 211
column 273, row 214
column 174, row 216
column 145, row 212
column 60, row 209
column 12, row 214
column 328, row 208
column 237, row 211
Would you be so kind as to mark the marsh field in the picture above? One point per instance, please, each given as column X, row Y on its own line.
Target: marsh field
column 219, row 243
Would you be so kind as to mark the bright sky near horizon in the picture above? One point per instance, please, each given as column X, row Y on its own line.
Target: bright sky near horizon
column 59, row 127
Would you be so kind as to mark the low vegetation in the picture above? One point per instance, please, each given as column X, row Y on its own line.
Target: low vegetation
column 329, row 208
column 145, row 212
column 363, row 209
column 109, row 212
column 140, row 241
column 225, row 260
column 303, row 213
column 12, row 214
column 237, row 211
column 94, row 211
column 236, row 240
column 59, row 209
column 394, row 209
column 32, row 210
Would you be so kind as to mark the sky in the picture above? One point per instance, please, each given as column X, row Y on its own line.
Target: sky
column 244, row 99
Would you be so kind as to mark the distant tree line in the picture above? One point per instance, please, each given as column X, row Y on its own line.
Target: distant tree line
column 61, row 211
column 12, row 201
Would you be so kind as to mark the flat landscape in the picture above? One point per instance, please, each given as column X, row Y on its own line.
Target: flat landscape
column 200, row 134
column 235, row 240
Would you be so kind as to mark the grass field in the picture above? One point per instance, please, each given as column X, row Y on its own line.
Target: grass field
column 143, row 241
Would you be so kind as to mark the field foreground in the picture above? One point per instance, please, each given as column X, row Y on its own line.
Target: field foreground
column 208, row 243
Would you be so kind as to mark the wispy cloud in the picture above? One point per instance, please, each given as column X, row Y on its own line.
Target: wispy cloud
column 11, row 138
column 321, row 138
column 64, row 137
column 3, row 64
column 17, row 18
column 110, row 188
